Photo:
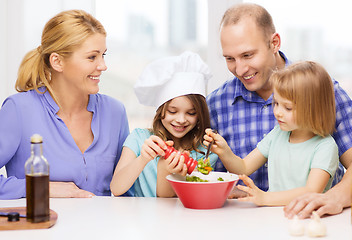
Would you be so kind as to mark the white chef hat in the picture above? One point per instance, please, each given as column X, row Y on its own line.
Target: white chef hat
column 171, row 77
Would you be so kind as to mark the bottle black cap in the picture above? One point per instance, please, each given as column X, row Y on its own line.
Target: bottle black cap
column 13, row 217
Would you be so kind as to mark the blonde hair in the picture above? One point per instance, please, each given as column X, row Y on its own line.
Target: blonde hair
column 260, row 15
column 310, row 88
column 193, row 139
column 62, row 34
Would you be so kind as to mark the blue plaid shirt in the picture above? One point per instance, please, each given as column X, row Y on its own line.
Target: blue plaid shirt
column 243, row 118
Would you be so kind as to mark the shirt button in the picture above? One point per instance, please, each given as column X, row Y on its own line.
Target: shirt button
column 266, row 165
column 265, row 106
column 264, row 135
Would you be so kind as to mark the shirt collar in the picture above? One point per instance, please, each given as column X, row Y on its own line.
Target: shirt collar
column 49, row 99
column 241, row 91
column 92, row 102
column 55, row 108
column 287, row 62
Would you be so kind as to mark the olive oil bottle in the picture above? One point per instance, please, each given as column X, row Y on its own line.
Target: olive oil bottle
column 37, row 183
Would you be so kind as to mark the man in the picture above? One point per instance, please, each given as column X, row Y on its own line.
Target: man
column 241, row 109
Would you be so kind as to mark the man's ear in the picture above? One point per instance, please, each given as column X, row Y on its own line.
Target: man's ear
column 56, row 62
column 275, row 42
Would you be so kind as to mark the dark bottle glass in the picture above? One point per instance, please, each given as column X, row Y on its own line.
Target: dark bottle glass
column 37, row 183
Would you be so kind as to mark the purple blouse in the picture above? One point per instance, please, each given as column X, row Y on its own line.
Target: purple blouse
column 27, row 113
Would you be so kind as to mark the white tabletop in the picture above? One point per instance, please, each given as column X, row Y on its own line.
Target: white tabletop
column 166, row 218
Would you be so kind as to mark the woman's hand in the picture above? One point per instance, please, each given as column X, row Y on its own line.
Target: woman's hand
column 152, row 147
column 254, row 194
column 67, row 190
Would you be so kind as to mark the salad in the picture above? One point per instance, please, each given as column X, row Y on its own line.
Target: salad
column 204, row 166
column 198, row 179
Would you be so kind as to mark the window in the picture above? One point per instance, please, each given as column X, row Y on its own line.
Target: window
column 316, row 30
column 141, row 31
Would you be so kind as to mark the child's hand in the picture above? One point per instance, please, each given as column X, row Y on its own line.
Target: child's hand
column 175, row 163
column 236, row 193
column 152, row 147
column 220, row 146
column 254, row 194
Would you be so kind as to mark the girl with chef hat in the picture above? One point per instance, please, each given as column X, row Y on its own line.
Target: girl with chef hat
column 176, row 86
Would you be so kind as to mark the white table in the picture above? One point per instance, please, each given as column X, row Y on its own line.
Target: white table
column 164, row 218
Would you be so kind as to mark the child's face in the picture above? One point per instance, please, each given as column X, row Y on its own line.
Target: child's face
column 284, row 113
column 180, row 117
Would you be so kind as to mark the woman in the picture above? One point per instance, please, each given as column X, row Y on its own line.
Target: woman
column 83, row 131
